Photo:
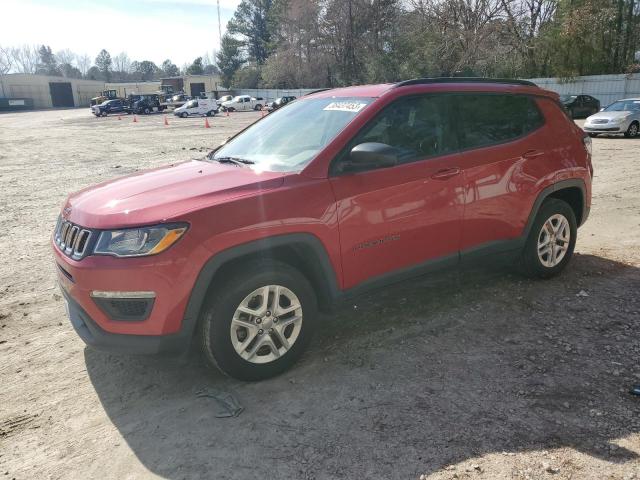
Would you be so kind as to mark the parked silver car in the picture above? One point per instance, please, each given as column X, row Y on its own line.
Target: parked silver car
column 622, row 116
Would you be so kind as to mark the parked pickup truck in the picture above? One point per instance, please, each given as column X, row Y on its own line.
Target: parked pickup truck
column 243, row 102
column 110, row 106
column 146, row 103
column 200, row 106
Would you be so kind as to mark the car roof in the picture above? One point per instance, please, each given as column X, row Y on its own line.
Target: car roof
column 438, row 84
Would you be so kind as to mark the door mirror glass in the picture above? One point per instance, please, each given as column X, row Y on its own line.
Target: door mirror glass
column 371, row 155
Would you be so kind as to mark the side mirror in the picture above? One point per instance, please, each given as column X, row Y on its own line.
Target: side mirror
column 368, row 156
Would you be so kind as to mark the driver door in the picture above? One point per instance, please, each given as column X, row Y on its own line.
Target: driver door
column 409, row 215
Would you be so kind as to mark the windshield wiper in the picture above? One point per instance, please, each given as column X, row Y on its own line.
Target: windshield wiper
column 234, row 160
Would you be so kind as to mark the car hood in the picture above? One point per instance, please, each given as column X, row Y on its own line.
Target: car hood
column 609, row 115
column 155, row 196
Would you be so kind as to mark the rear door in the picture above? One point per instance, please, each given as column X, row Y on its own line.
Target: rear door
column 408, row 215
column 505, row 155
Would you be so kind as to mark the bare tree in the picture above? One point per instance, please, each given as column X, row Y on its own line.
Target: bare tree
column 6, row 60
column 66, row 56
column 25, row 58
column 84, row 63
column 122, row 63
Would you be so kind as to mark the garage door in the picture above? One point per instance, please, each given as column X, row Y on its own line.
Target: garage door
column 61, row 94
column 196, row 89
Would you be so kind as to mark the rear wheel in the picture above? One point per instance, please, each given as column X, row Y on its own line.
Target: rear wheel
column 147, row 111
column 551, row 240
column 632, row 131
column 258, row 107
column 258, row 323
column 184, row 115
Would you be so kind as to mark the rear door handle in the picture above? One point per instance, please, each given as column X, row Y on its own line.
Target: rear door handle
column 446, row 173
column 533, row 153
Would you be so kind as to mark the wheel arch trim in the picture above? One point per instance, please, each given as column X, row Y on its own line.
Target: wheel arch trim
column 320, row 265
column 550, row 190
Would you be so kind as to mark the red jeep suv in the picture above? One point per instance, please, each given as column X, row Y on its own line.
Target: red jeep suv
column 336, row 193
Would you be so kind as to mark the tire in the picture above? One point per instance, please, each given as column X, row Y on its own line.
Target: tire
column 258, row 107
column 217, row 330
column 147, row 111
column 184, row 115
column 632, row 131
column 537, row 265
column 208, row 114
column 593, row 135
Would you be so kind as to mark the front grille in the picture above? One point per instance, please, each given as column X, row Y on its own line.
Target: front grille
column 72, row 239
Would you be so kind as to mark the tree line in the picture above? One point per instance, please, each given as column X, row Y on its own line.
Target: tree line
column 120, row 68
column 323, row 43
column 326, row 43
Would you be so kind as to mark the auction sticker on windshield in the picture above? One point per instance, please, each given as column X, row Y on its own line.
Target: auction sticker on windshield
column 345, row 106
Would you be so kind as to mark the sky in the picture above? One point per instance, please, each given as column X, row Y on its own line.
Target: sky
column 155, row 30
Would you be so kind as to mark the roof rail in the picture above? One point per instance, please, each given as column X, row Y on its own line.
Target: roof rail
column 316, row 91
column 421, row 81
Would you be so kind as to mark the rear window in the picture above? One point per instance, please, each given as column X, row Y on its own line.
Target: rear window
column 490, row 119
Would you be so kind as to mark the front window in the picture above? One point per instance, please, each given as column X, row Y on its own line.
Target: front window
column 624, row 106
column 191, row 104
column 288, row 139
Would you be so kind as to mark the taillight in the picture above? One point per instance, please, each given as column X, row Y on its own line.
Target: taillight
column 586, row 140
column 588, row 146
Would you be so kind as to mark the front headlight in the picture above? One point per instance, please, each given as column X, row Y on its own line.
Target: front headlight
column 138, row 242
column 618, row 120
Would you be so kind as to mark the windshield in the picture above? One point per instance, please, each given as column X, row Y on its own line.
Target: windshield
column 567, row 98
column 288, row 139
column 624, row 106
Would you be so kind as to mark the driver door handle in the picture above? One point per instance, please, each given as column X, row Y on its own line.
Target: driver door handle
column 446, row 173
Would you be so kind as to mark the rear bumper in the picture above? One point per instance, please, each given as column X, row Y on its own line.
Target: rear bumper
column 94, row 336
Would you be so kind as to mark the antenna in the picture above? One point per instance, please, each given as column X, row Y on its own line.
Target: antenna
column 219, row 24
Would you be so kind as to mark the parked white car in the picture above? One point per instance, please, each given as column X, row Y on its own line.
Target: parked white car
column 197, row 106
column 224, row 98
column 622, row 116
column 243, row 102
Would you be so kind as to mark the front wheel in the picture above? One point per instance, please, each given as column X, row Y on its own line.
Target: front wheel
column 551, row 240
column 259, row 322
column 632, row 131
column 184, row 115
column 147, row 111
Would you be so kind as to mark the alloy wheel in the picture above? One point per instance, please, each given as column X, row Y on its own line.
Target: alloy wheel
column 266, row 324
column 553, row 240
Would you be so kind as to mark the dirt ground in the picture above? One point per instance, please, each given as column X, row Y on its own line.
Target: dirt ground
column 478, row 374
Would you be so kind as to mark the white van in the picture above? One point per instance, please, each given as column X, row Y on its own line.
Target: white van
column 197, row 106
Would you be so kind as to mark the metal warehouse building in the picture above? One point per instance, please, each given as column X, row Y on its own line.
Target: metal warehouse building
column 49, row 92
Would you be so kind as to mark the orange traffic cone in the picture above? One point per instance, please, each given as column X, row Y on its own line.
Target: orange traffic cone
column 166, row 122
column 206, row 123
column 135, row 120
column 262, row 112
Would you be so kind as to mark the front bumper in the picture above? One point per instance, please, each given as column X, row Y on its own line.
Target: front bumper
column 94, row 336
column 603, row 129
